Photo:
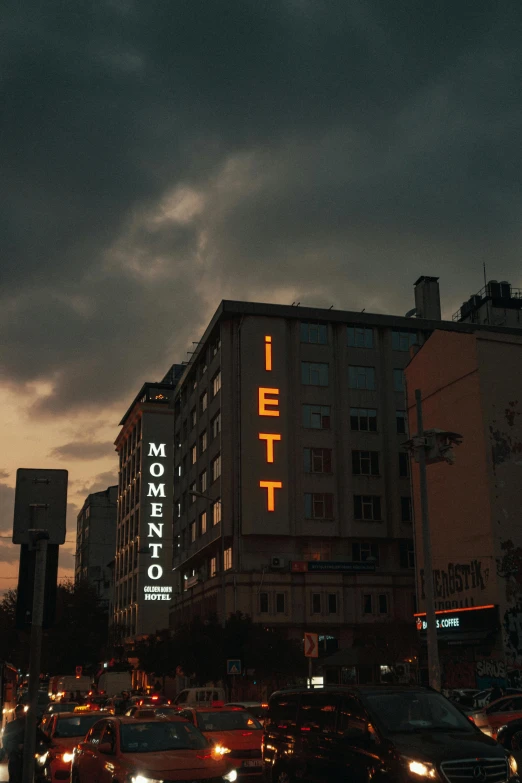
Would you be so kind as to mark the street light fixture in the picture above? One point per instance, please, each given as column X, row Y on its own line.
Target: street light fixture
column 202, row 495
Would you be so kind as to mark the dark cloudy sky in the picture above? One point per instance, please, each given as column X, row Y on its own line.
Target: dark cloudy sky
column 160, row 155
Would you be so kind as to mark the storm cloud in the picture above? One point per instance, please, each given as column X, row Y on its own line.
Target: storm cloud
column 158, row 157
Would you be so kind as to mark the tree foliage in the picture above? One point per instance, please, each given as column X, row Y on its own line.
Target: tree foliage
column 201, row 648
column 78, row 637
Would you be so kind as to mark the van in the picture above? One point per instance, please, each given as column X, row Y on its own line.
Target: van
column 200, row 697
column 393, row 734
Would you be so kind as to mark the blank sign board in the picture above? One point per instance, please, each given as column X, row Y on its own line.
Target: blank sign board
column 40, row 503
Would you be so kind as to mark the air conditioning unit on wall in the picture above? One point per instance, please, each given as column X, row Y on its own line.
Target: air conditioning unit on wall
column 277, row 562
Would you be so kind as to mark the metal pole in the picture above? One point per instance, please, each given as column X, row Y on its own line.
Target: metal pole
column 433, row 650
column 310, row 672
column 41, row 539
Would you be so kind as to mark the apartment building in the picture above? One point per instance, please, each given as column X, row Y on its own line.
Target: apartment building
column 292, row 494
column 95, row 541
column 143, row 546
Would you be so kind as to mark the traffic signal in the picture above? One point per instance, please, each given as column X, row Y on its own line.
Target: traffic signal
column 24, row 601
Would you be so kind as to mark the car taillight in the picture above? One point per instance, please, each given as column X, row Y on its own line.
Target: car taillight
column 471, row 718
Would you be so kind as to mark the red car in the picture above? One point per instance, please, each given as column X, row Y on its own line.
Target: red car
column 232, row 729
column 129, row 750
column 64, row 730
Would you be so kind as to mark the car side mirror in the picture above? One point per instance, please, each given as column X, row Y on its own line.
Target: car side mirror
column 105, row 748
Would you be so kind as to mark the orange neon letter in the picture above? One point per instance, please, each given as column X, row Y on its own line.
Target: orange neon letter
column 270, row 437
column 268, row 352
column 265, row 401
column 271, row 486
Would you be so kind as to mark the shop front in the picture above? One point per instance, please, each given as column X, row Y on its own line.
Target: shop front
column 470, row 647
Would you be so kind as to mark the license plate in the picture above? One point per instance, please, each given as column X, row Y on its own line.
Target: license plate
column 256, row 763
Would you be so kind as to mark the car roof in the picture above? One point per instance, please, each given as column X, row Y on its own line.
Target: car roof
column 212, row 709
column 156, row 719
column 72, row 714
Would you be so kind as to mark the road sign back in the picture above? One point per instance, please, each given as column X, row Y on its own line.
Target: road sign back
column 311, row 645
column 233, row 666
column 40, row 503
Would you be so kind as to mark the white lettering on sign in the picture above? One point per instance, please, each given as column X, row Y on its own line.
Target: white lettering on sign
column 446, row 622
column 155, row 570
column 156, row 491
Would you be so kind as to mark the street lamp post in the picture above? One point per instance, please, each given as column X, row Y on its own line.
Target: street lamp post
column 197, row 494
column 429, row 446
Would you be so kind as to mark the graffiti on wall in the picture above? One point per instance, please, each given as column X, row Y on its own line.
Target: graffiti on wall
column 454, row 584
column 503, row 446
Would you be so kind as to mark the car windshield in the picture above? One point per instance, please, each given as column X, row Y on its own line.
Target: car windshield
column 227, row 721
column 414, row 711
column 75, row 727
column 156, row 736
column 63, row 706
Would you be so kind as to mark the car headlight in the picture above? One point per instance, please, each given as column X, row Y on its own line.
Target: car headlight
column 513, row 766
column 43, row 758
column 67, row 757
column 220, row 750
column 144, row 779
column 421, row 769
column 230, row 776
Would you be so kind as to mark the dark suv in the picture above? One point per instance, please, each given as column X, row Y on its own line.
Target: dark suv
column 390, row 734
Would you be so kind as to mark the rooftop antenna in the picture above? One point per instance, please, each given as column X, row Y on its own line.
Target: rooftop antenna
column 364, row 308
column 293, row 303
column 297, row 305
column 485, row 290
column 330, row 307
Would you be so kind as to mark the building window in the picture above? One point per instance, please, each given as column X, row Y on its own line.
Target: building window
column 406, row 515
column 401, row 422
column 280, row 603
column 365, row 463
column 192, row 418
column 216, row 512
column 367, row 604
column 398, row 380
column 203, row 365
column 215, row 426
column 367, row 507
column 361, row 377
column 363, row 419
column 401, row 341
column 193, row 532
column 316, row 603
column 203, row 442
column 216, row 383
column 227, row 559
column 404, row 464
column 314, row 333
column 215, row 345
column 318, row 505
column 363, row 551
column 360, row 337
column 192, row 489
column 193, row 454
column 318, row 460
column 203, row 523
column 332, row 603
column 263, row 603
column 383, row 604
column 215, row 467
column 194, row 383
column 213, row 566
column 203, row 481
column 407, row 553
column 203, row 402
column 314, row 373
column 316, row 417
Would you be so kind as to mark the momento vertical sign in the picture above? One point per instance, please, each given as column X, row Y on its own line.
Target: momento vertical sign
column 156, row 499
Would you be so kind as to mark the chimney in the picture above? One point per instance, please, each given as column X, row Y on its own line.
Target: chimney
column 427, row 298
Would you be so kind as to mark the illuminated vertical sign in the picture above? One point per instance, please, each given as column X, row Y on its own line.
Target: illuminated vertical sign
column 156, row 523
column 268, row 406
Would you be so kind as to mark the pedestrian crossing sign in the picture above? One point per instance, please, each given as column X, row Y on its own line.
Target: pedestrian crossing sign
column 233, row 666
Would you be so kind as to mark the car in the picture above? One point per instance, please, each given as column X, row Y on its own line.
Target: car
column 491, row 717
column 64, row 729
column 61, row 706
column 233, row 729
column 394, row 733
column 163, row 749
column 510, row 735
column 162, row 712
column 483, row 698
column 463, row 697
column 256, row 708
